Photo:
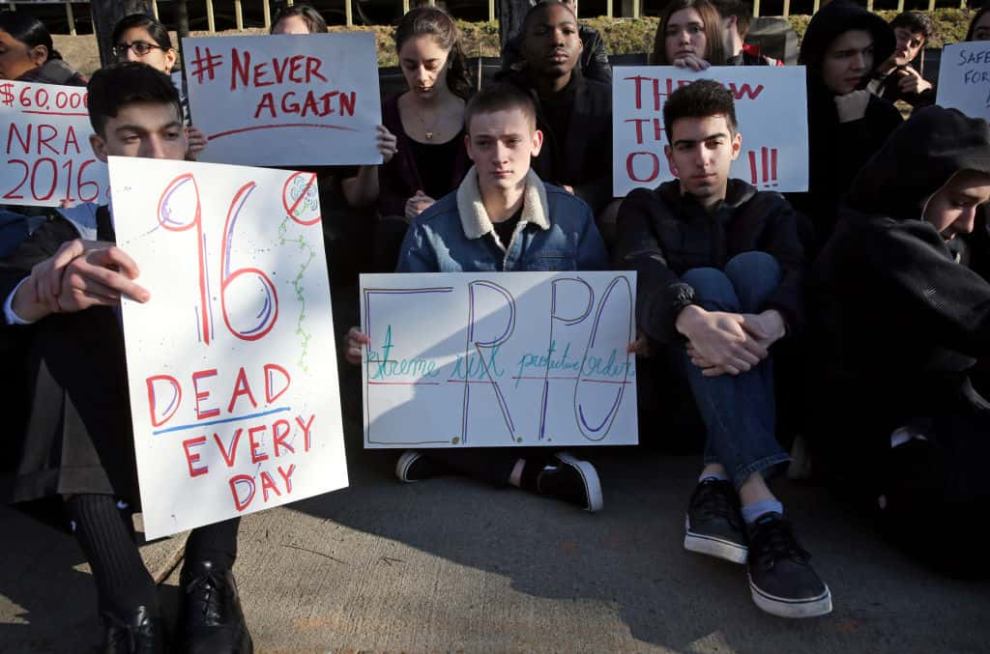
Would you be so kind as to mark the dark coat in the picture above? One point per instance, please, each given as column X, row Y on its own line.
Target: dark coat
column 54, row 71
column 901, row 322
column 838, row 150
column 663, row 234
column 582, row 158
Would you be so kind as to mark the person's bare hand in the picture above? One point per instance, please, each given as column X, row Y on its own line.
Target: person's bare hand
column 387, row 143
column 354, row 340
column 417, row 204
column 717, row 338
column 568, row 188
column 196, row 142
column 852, row 106
column 640, row 347
column 691, row 61
column 766, row 327
column 911, row 82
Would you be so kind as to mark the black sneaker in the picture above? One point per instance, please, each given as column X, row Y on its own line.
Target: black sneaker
column 713, row 524
column 211, row 619
column 415, row 466
column 567, row 478
column 781, row 579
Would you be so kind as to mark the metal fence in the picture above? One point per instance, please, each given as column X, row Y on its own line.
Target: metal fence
column 629, row 9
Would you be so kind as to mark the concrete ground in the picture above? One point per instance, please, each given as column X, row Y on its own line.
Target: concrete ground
column 451, row 565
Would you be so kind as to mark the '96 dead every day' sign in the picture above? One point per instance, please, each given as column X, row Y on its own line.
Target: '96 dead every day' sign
column 771, row 109
column 231, row 363
column 285, row 100
column 44, row 145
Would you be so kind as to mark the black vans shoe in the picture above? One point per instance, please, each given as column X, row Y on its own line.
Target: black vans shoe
column 781, row 578
column 713, row 524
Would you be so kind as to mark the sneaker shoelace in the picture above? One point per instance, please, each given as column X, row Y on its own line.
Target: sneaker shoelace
column 774, row 540
column 713, row 502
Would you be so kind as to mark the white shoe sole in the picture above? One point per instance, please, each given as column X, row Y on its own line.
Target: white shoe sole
column 403, row 464
column 789, row 608
column 592, row 485
column 712, row 546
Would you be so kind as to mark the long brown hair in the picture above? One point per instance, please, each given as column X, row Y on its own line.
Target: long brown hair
column 436, row 22
column 710, row 18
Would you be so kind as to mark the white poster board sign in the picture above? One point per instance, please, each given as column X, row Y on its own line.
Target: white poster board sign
column 964, row 78
column 231, row 363
column 499, row 359
column 771, row 108
column 285, row 100
column 44, row 142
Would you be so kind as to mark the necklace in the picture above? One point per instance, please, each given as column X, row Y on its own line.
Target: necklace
column 428, row 131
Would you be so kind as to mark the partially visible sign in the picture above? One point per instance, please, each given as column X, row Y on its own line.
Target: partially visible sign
column 44, row 146
column 964, row 78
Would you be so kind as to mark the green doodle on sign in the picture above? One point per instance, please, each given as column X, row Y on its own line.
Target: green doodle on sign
column 297, row 286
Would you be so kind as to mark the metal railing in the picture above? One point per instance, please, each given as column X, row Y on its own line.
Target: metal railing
column 266, row 12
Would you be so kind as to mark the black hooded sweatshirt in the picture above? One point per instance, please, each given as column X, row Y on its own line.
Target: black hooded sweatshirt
column 902, row 322
column 838, row 150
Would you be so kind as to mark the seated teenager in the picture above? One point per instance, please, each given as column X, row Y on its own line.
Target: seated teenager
column 574, row 114
column 503, row 217
column 143, row 39
column 28, row 55
column 426, row 124
column 689, row 35
column 594, row 58
column 719, row 276
column 896, row 79
column 904, row 325
column 64, row 283
column 842, row 47
column 736, row 18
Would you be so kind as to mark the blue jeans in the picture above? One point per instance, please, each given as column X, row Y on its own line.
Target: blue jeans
column 739, row 411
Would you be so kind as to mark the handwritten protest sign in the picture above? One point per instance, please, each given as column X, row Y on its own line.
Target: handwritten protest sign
column 45, row 147
column 231, row 364
column 964, row 78
column 771, row 108
column 489, row 359
column 285, row 100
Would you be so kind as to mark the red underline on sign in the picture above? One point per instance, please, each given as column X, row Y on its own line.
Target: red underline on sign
column 241, row 130
column 411, row 383
column 53, row 113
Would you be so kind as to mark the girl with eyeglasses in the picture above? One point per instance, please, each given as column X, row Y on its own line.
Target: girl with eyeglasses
column 143, row 39
column 28, row 55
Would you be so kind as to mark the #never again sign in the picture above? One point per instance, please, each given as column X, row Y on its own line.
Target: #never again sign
column 771, row 109
column 499, row 359
column 231, row 363
column 285, row 100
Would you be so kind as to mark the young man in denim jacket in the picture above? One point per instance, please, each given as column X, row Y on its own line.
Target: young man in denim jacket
column 502, row 218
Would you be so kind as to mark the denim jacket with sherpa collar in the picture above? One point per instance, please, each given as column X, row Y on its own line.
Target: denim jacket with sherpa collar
column 556, row 231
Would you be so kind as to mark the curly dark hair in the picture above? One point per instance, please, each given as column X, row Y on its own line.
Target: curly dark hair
column 914, row 21
column 699, row 100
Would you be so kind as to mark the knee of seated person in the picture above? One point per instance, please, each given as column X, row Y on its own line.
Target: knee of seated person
column 712, row 285
column 753, row 266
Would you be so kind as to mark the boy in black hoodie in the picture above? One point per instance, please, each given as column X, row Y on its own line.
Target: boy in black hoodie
column 719, row 282
column 841, row 49
column 903, row 324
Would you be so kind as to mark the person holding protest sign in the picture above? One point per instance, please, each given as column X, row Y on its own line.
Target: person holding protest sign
column 27, row 53
column 736, row 18
column 64, row 283
column 426, row 158
column 842, row 47
column 896, row 79
column 689, row 35
column 143, row 39
column 502, row 217
column 904, row 327
column 979, row 27
column 594, row 57
column 574, row 114
column 719, row 283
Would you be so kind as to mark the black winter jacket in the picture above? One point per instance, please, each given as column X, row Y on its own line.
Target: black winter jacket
column 663, row 234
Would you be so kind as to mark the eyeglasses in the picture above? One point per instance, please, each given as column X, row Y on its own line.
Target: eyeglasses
column 140, row 48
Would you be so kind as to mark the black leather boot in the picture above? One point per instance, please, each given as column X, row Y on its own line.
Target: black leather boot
column 138, row 633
